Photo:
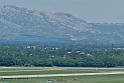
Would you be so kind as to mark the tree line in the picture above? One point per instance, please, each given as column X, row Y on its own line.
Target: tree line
column 61, row 56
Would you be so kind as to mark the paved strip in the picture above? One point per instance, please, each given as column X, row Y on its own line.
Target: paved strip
column 58, row 75
column 57, row 68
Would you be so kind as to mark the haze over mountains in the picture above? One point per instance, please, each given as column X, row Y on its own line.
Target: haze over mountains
column 22, row 24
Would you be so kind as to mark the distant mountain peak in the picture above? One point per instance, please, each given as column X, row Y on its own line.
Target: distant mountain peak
column 13, row 7
column 9, row 6
column 23, row 24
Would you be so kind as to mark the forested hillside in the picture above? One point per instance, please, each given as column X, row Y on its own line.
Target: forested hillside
column 28, row 25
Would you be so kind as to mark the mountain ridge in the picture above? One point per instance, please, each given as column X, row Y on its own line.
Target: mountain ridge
column 23, row 24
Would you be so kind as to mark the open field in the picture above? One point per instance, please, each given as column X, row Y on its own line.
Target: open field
column 63, row 75
column 11, row 71
column 75, row 79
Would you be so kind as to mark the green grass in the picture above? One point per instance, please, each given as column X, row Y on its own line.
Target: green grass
column 71, row 79
column 77, row 79
column 40, row 71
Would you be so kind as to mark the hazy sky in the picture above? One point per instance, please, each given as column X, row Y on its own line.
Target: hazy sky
column 89, row 10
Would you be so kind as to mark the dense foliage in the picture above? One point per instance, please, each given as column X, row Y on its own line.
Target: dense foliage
column 34, row 55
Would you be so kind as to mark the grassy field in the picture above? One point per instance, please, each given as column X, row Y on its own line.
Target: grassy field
column 77, row 79
column 40, row 71
column 72, row 79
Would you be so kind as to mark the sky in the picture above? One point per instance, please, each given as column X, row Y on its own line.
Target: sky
column 88, row 10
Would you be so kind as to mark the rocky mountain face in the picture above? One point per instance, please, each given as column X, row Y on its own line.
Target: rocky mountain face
column 22, row 24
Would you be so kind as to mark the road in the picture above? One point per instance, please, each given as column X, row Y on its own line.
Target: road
column 58, row 75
